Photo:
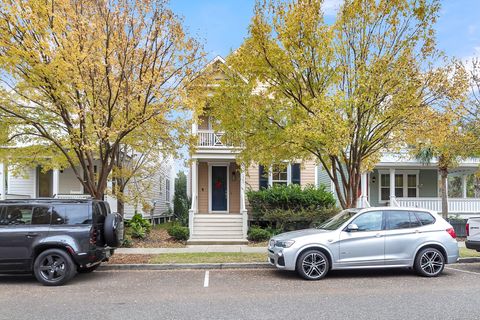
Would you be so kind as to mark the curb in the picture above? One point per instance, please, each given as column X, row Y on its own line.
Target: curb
column 469, row 260
column 183, row 266
column 206, row 266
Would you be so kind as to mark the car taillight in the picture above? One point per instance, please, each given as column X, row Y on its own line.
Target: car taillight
column 467, row 229
column 93, row 236
column 451, row 232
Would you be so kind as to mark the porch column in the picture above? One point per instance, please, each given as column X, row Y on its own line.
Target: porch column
column 464, row 186
column 56, row 182
column 3, row 186
column 364, row 197
column 393, row 202
column 243, row 210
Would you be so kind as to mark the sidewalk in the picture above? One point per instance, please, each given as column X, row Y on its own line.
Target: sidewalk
column 193, row 249
column 204, row 249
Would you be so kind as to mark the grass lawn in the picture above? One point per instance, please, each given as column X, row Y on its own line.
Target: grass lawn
column 467, row 253
column 210, row 257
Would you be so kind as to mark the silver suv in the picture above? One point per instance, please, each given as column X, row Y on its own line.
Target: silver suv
column 368, row 238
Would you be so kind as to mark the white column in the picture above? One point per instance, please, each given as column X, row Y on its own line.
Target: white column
column 243, row 210
column 464, row 186
column 3, row 187
column 56, row 182
column 364, row 196
column 392, row 188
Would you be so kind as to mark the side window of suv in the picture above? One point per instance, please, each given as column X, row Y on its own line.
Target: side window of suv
column 18, row 214
column 425, row 218
column 369, row 221
column 41, row 215
column 74, row 213
column 398, row 219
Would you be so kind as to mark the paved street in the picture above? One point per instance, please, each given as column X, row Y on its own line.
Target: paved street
column 246, row 294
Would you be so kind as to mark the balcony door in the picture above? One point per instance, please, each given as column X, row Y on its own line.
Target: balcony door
column 218, row 188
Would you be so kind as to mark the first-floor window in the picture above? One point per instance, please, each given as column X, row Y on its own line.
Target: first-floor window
column 279, row 175
column 167, row 190
column 405, row 185
column 284, row 174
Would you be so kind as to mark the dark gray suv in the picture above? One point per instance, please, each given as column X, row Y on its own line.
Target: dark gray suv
column 56, row 238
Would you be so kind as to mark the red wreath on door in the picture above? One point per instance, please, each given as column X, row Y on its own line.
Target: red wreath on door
column 218, row 184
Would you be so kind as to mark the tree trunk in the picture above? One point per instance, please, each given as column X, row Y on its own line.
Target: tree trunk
column 119, row 192
column 444, row 191
column 476, row 187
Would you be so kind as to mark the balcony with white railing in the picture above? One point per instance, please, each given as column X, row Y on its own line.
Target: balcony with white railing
column 211, row 139
column 455, row 205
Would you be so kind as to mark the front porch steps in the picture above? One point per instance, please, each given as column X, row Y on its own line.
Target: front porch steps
column 217, row 229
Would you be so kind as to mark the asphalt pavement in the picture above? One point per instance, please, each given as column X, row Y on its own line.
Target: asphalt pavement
column 247, row 294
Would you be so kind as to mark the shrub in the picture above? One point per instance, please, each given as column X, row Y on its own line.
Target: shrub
column 127, row 242
column 258, row 234
column 291, row 207
column 178, row 232
column 139, row 227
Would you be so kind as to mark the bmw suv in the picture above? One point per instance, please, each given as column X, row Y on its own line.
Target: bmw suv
column 368, row 238
column 56, row 238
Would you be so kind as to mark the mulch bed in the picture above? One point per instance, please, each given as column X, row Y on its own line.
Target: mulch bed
column 129, row 258
column 157, row 238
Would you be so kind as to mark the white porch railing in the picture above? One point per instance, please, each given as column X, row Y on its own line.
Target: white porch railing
column 455, row 205
column 210, row 138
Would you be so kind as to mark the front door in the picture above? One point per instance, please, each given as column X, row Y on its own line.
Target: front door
column 219, row 188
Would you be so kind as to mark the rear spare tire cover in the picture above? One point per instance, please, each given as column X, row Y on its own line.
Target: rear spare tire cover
column 113, row 230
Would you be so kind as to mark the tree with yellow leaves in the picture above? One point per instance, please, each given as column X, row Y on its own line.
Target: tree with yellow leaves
column 84, row 78
column 341, row 93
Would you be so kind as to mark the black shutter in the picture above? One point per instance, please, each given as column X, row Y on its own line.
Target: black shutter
column 263, row 177
column 295, row 173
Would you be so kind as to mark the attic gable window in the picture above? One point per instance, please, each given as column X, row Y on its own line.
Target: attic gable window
column 279, row 175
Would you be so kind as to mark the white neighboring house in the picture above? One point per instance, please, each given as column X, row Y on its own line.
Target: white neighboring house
column 31, row 182
column 399, row 180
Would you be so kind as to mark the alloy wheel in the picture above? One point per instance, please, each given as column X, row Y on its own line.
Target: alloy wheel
column 53, row 268
column 314, row 265
column 431, row 262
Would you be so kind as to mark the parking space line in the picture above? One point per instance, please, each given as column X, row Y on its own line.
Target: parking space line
column 464, row 271
column 207, row 276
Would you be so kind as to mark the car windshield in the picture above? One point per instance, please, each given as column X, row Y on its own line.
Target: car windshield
column 337, row 220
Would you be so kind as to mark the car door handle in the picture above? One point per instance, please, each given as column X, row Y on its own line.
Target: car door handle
column 31, row 235
column 378, row 235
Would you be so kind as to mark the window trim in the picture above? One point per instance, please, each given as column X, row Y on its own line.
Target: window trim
column 405, row 187
column 289, row 175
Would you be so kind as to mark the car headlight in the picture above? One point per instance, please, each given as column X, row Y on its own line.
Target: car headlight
column 284, row 243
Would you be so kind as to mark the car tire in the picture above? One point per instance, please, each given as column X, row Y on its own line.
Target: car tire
column 88, row 269
column 54, row 267
column 429, row 262
column 313, row 265
column 113, row 230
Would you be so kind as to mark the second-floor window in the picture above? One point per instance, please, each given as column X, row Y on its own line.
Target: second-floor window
column 167, row 190
column 279, row 175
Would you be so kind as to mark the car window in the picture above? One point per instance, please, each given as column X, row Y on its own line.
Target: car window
column 414, row 221
column 425, row 218
column 3, row 215
column 398, row 219
column 75, row 213
column 19, row 214
column 41, row 215
column 369, row 221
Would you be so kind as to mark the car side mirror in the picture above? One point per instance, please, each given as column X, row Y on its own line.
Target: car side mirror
column 352, row 227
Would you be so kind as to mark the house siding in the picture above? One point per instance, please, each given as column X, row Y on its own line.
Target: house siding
column 234, row 188
column 23, row 183
column 68, row 182
column 252, row 178
column 202, row 187
column 307, row 173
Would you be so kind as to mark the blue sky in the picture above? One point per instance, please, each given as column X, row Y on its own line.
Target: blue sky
column 222, row 24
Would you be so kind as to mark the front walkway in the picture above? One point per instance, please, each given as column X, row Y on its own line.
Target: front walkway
column 193, row 249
